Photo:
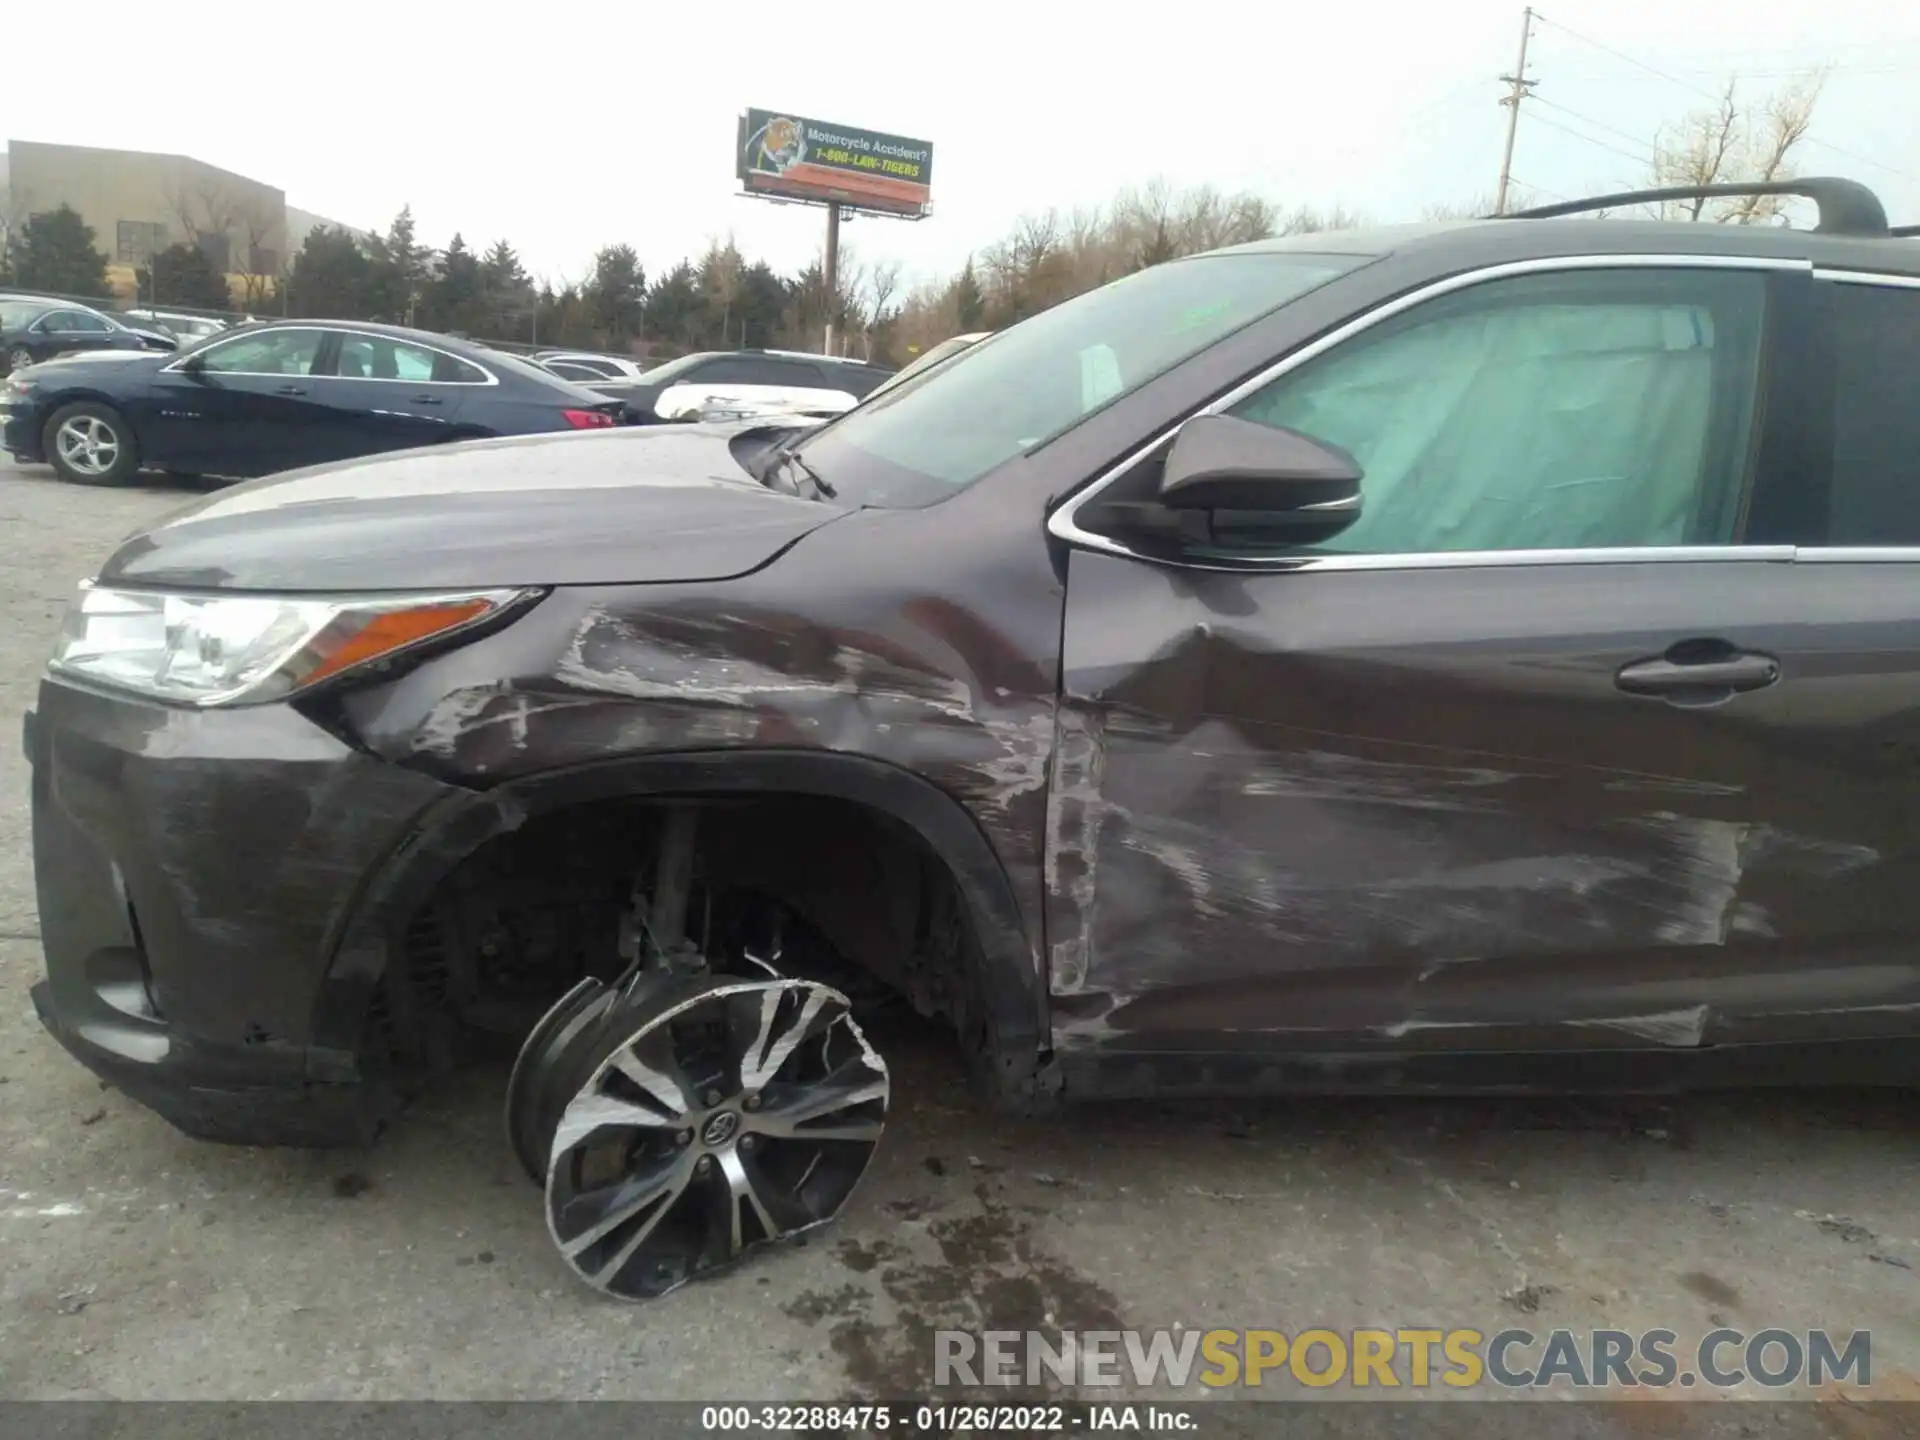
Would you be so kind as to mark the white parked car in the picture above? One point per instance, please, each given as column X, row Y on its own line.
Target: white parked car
column 187, row 328
column 748, row 380
column 587, row 367
column 939, row 354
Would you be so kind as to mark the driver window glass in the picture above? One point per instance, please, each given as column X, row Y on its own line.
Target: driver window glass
column 1565, row 411
column 278, row 352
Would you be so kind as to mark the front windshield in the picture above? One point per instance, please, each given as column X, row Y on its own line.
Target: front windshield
column 19, row 312
column 1046, row 374
column 672, row 368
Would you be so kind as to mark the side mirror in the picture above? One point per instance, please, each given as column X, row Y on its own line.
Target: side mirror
column 1229, row 481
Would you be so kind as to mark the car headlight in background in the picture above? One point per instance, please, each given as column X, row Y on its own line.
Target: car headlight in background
column 249, row 649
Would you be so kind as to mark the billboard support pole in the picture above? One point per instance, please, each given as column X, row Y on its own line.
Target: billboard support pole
column 832, row 268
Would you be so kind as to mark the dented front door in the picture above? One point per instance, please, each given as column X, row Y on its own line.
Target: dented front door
column 1417, row 809
column 1538, row 754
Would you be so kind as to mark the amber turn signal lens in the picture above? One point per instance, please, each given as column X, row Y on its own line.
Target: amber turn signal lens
column 383, row 634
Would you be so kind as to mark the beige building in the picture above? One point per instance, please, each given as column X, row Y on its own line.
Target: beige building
column 139, row 203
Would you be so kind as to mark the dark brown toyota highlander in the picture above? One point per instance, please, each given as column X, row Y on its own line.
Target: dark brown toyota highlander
column 1471, row 657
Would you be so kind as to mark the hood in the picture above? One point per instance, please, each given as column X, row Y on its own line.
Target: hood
column 595, row 508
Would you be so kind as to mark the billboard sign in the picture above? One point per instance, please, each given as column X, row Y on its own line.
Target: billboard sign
column 780, row 153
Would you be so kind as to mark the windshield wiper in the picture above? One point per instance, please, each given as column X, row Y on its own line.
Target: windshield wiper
column 791, row 460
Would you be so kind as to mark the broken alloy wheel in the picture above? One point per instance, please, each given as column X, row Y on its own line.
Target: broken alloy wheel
column 677, row 1122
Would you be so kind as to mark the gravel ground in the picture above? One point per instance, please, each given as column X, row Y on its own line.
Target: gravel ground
column 137, row 1263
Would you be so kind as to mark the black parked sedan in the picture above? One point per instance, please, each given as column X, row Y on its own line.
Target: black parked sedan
column 278, row 396
column 33, row 330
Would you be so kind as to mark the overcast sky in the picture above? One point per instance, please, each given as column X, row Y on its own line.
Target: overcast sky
column 563, row 128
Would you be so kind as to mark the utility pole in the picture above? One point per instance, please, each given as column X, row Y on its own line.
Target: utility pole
column 832, row 268
column 1521, row 87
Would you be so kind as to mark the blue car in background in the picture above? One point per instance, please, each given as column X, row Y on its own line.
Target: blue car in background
column 278, row 396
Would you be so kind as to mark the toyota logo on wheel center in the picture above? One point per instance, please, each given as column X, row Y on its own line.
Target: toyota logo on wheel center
column 720, row 1129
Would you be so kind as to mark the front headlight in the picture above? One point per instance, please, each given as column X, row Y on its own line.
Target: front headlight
column 249, row 649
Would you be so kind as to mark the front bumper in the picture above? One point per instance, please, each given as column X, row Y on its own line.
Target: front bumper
column 195, row 871
column 22, row 422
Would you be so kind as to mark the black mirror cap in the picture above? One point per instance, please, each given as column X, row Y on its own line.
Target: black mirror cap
column 1221, row 462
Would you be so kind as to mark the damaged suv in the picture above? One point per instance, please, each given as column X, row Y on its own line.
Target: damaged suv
column 1471, row 657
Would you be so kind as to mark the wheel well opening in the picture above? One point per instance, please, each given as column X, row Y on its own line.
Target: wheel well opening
column 838, row 891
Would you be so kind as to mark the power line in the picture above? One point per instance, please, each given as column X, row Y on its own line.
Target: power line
column 1641, row 159
column 1628, row 136
column 1709, row 95
column 1539, row 189
column 1862, row 159
column 1834, row 72
column 1451, row 98
column 1622, row 55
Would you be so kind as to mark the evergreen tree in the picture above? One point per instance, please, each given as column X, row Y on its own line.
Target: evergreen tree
column 183, row 275
column 507, row 296
column 454, row 298
column 616, row 296
column 969, row 305
column 55, row 252
column 674, row 307
column 331, row 278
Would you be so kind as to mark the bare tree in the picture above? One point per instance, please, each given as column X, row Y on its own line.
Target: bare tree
column 257, row 226
column 16, row 208
column 1052, row 256
column 1305, row 220
column 1731, row 143
column 882, row 282
column 203, row 210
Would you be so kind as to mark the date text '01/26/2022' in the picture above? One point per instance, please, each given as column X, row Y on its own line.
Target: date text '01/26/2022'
column 923, row 1419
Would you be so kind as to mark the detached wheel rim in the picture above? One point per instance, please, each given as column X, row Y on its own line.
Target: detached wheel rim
column 88, row 444
column 719, row 1123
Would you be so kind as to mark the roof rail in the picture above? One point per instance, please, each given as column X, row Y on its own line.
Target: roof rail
column 804, row 355
column 1846, row 206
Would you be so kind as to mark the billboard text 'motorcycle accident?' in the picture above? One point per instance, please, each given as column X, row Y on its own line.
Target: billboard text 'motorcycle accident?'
column 785, row 154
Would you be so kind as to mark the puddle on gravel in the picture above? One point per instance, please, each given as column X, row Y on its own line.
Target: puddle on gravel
column 976, row 1272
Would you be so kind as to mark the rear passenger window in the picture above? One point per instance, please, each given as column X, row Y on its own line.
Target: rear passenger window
column 451, row 370
column 1876, row 418
column 375, row 357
